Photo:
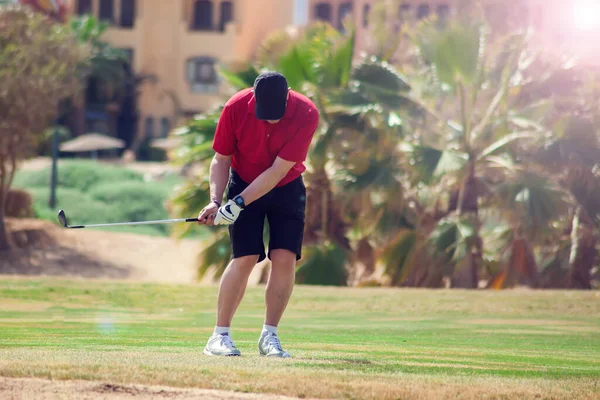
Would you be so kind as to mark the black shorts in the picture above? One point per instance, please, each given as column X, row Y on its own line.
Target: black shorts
column 283, row 207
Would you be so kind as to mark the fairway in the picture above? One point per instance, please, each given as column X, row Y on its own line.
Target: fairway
column 346, row 343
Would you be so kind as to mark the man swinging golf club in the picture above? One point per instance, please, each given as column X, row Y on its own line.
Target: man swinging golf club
column 260, row 144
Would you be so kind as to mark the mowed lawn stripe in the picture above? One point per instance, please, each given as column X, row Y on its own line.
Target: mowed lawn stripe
column 347, row 343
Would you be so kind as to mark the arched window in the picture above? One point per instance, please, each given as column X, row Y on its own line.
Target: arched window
column 127, row 13
column 84, row 7
column 165, row 127
column 203, row 16
column 202, row 75
column 422, row 11
column 443, row 11
column 404, row 12
column 226, row 15
column 366, row 12
column 344, row 10
column 107, row 11
column 323, row 12
column 149, row 127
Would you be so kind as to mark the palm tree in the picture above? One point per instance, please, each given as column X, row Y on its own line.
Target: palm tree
column 572, row 156
column 467, row 150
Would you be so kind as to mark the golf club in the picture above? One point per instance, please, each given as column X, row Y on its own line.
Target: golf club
column 63, row 221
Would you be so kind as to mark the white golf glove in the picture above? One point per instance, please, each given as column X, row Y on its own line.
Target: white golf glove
column 227, row 213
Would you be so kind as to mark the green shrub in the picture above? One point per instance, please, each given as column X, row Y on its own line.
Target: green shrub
column 80, row 207
column 134, row 201
column 80, row 174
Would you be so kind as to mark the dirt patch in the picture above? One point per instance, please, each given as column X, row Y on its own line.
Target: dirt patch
column 43, row 248
column 24, row 306
column 42, row 389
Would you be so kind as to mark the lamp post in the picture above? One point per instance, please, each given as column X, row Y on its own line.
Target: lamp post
column 54, row 176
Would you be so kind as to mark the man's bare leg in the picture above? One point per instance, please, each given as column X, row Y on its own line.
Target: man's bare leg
column 232, row 288
column 280, row 285
column 277, row 295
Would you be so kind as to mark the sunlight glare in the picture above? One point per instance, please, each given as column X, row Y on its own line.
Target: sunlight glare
column 586, row 15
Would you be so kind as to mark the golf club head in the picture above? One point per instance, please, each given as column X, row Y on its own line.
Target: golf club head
column 62, row 218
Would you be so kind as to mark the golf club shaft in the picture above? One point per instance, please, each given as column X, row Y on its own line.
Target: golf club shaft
column 164, row 221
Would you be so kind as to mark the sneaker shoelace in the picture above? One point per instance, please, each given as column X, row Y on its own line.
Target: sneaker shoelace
column 273, row 341
column 226, row 341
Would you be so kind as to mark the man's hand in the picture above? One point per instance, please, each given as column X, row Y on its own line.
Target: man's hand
column 227, row 214
column 207, row 215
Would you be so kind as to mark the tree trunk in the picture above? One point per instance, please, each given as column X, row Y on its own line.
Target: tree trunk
column 467, row 272
column 583, row 253
column 323, row 218
column 521, row 267
column 4, row 242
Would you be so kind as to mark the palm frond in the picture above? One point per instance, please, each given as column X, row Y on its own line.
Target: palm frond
column 240, row 79
column 452, row 237
column 454, row 52
column 503, row 142
column 399, row 255
column 323, row 265
column 431, row 163
column 534, row 197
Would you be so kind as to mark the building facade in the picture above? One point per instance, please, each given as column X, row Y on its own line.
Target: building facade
column 178, row 44
column 565, row 27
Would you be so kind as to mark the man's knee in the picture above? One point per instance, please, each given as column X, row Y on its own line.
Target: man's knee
column 245, row 262
column 283, row 257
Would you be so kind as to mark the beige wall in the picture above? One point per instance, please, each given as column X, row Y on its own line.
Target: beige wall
column 162, row 44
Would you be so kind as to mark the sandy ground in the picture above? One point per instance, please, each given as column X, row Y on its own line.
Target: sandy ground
column 42, row 389
column 146, row 258
column 106, row 255
column 54, row 251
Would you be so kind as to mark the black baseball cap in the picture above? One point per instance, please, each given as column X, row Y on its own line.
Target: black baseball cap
column 270, row 92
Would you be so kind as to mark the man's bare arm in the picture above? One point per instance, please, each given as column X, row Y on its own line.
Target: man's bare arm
column 267, row 180
column 218, row 176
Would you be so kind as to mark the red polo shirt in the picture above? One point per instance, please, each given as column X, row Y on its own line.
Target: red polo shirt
column 254, row 144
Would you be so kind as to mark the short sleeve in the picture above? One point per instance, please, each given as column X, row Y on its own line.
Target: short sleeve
column 224, row 140
column 296, row 150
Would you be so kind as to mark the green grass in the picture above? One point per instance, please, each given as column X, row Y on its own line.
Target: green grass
column 346, row 343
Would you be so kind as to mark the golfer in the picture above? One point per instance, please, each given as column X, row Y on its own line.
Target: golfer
column 260, row 145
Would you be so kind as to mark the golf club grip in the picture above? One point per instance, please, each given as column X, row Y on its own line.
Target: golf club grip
column 191, row 220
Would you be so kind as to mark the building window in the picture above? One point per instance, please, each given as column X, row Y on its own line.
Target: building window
column 202, row 75
column 323, row 12
column 366, row 12
column 149, row 127
column 84, row 7
column 443, row 11
column 422, row 11
column 165, row 127
column 405, row 12
column 403, row 16
column 344, row 10
column 226, row 15
column 107, row 10
column 127, row 13
column 203, row 16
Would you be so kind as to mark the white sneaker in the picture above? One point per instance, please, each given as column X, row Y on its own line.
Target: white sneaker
column 221, row 345
column 270, row 346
